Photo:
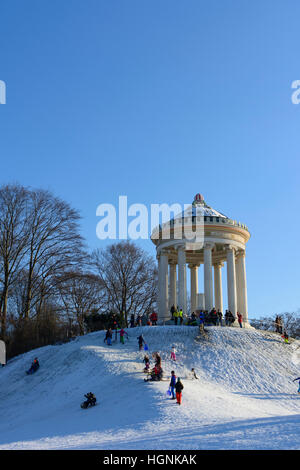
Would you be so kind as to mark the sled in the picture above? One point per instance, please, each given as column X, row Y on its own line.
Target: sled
column 84, row 405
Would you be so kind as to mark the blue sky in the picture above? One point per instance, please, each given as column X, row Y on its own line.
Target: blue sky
column 159, row 101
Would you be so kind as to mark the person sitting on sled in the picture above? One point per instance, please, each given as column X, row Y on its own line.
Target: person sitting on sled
column 285, row 337
column 156, row 374
column 34, row 366
column 91, row 399
column 193, row 374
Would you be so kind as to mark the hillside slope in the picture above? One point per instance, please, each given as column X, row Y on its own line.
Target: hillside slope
column 244, row 398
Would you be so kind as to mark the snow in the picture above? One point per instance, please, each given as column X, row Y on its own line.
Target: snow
column 245, row 397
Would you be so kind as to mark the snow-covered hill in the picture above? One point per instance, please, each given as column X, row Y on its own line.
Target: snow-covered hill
column 244, row 398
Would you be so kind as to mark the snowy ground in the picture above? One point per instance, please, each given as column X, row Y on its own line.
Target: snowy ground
column 244, row 398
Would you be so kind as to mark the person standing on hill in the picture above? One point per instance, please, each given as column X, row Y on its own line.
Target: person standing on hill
column 122, row 334
column 153, row 318
column 173, row 384
column 141, row 341
column 179, row 387
column 175, row 316
column 173, row 353
column 108, row 337
column 180, row 315
column 172, row 310
column 132, row 320
column 240, row 319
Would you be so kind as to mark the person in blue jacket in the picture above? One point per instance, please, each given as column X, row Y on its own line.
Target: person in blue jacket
column 172, row 384
column 298, row 378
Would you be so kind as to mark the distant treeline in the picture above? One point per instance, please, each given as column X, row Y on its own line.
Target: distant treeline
column 51, row 286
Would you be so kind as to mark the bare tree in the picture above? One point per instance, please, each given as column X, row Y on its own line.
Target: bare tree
column 129, row 277
column 55, row 244
column 14, row 233
column 80, row 294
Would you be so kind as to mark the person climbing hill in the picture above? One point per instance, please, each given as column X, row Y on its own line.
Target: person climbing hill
column 179, row 387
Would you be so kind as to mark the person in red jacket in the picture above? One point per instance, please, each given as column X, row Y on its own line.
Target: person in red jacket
column 153, row 318
column 240, row 319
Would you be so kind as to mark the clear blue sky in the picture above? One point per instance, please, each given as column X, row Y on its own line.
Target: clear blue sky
column 159, row 100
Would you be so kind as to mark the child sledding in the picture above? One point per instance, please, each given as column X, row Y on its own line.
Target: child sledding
column 34, row 367
column 156, row 374
column 90, row 400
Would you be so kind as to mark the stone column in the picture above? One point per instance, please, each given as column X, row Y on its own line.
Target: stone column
column 241, row 284
column 163, row 309
column 231, row 280
column 208, row 284
column 194, row 286
column 218, row 286
column 172, row 284
column 182, row 280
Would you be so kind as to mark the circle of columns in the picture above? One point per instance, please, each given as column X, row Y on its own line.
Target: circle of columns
column 224, row 242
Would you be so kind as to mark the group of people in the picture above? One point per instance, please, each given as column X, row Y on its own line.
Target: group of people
column 156, row 373
column 177, row 315
column 143, row 320
column 279, row 328
column 205, row 317
column 109, row 335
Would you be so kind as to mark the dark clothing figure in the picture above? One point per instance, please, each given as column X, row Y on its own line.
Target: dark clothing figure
column 108, row 337
column 91, row 400
column 179, row 387
column 147, row 363
column 141, row 341
column 278, row 324
column 34, row 367
column 132, row 321
column 172, row 311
